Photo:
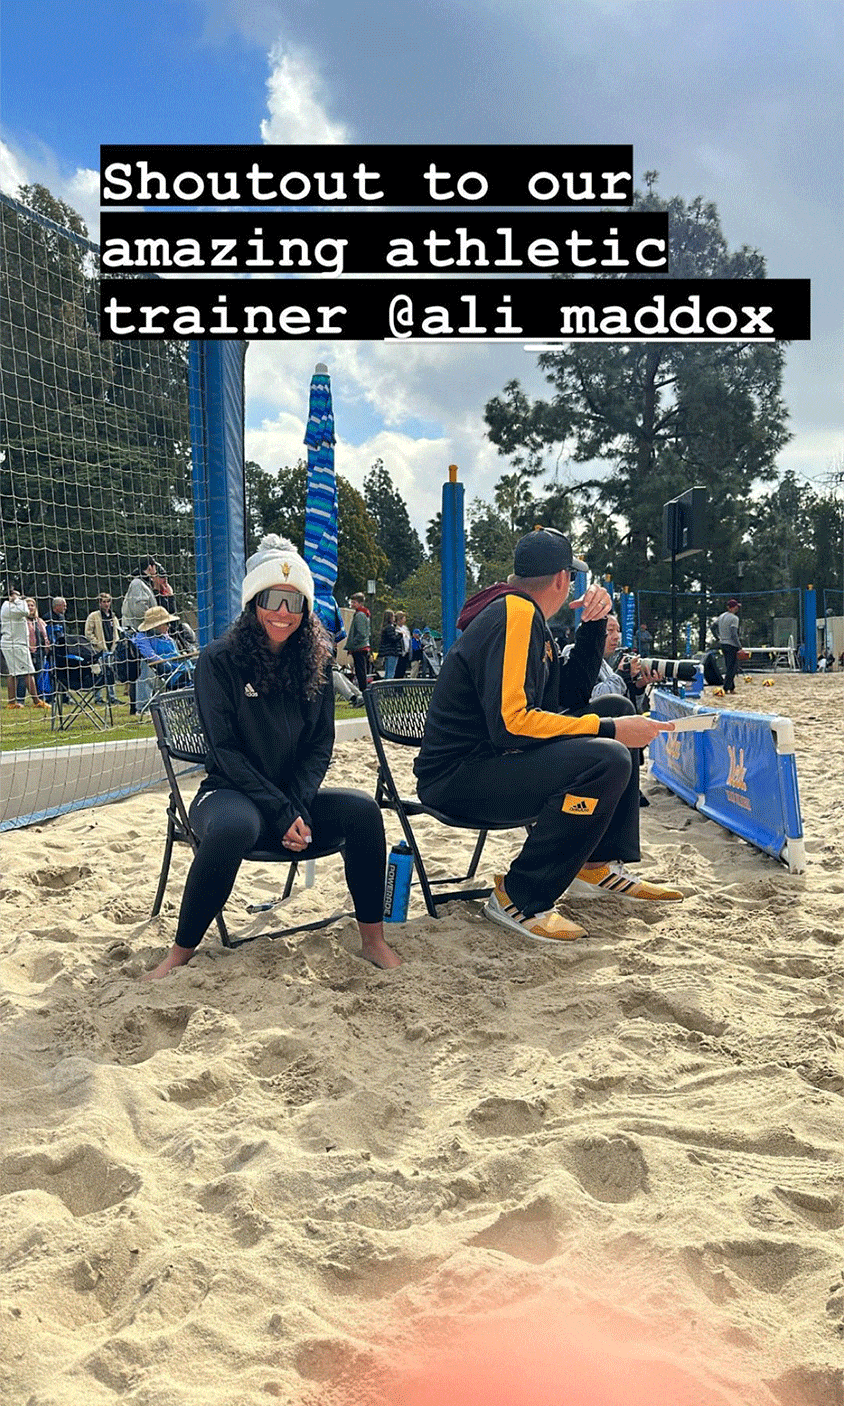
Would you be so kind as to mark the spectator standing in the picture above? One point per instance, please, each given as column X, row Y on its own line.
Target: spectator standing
column 139, row 598
column 38, row 645
column 14, row 642
column 102, row 630
column 360, row 638
column 727, row 626
column 57, row 622
column 390, row 645
column 403, row 662
column 415, row 653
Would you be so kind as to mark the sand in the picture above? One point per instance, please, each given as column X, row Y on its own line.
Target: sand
column 282, row 1174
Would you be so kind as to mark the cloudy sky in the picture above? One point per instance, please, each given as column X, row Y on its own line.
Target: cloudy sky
column 739, row 101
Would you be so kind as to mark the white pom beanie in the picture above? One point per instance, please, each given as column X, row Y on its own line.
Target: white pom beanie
column 277, row 563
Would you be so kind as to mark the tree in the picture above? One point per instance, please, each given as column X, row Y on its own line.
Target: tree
column 420, row 596
column 276, row 503
column 396, row 537
column 661, row 416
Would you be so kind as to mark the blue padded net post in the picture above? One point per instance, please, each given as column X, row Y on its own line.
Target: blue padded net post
column 810, row 629
column 453, row 586
column 216, row 420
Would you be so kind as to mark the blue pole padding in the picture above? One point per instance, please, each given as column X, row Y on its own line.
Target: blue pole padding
column 199, row 479
column 453, row 578
column 688, row 641
column 810, row 629
column 216, row 417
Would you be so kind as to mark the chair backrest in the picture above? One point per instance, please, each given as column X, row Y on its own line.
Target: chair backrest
column 177, row 726
column 397, row 709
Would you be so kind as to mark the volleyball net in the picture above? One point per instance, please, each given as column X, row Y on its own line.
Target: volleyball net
column 110, row 457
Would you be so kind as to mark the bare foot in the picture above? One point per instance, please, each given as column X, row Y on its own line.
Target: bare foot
column 376, row 951
column 176, row 957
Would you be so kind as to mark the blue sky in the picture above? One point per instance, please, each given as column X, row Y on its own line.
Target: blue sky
column 734, row 100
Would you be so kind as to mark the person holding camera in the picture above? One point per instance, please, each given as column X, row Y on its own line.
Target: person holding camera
column 511, row 732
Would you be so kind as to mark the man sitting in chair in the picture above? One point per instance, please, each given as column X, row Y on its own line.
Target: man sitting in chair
column 511, row 733
column 155, row 644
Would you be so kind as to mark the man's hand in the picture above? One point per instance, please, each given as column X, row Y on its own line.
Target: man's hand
column 298, row 837
column 639, row 731
column 596, row 604
column 641, row 674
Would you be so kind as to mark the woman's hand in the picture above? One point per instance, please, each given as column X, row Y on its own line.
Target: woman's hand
column 298, row 837
column 596, row 604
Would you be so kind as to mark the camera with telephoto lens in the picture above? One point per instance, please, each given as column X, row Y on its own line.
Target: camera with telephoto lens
column 683, row 669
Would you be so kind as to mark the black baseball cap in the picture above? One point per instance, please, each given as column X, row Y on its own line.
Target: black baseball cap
column 544, row 552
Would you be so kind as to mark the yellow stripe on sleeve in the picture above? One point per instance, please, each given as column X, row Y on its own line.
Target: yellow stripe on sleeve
column 518, row 718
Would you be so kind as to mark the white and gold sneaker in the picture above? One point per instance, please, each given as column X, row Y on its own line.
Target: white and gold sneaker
column 614, row 881
column 550, row 927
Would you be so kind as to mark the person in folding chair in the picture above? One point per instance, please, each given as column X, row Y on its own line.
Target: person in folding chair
column 266, row 704
column 154, row 643
column 511, row 732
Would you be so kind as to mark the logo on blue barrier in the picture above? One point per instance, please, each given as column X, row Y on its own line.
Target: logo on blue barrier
column 741, row 774
column 736, row 777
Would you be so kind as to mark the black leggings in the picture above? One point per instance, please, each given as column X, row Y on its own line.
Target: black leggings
column 229, row 826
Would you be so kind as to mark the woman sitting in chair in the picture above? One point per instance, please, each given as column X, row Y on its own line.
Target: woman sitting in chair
column 264, row 697
column 155, row 644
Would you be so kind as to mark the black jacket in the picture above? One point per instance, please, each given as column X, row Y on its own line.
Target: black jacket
column 273, row 749
column 503, row 688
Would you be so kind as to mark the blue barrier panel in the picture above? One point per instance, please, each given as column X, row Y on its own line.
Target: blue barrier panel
column 741, row 774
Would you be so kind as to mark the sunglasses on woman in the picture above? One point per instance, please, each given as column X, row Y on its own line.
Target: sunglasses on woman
column 274, row 597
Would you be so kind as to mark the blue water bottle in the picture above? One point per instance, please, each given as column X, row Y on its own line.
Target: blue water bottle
column 397, row 888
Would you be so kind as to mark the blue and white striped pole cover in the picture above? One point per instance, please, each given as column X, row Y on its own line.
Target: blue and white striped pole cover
column 321, row 503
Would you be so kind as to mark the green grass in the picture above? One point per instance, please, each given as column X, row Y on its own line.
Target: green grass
column 30, row 727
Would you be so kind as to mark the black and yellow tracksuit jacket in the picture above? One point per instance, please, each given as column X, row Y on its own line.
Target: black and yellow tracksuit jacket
column 503, row 688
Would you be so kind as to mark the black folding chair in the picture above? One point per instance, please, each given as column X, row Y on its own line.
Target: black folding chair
column 78, row 679
column 396, row 710
column 179, row 735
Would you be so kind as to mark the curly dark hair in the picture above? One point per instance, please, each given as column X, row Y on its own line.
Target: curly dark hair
column 301, row 666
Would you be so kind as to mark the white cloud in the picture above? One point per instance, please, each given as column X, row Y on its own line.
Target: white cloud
column 296, row 104
column 81, row 189
column 12, row 172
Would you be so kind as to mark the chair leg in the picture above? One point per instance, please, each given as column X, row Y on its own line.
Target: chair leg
column 419, row 864
column 223, row 931
column 476, row 855
column 165, row 867
column 291, row 875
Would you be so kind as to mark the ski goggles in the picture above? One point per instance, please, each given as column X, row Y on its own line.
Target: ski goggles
column 274, row 597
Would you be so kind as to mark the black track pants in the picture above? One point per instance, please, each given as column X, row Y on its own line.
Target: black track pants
column 584, row 792
column 360, row 659
column 229, row 825
column 730, row 653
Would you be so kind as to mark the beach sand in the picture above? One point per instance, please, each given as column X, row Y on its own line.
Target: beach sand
column 282, row 1174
